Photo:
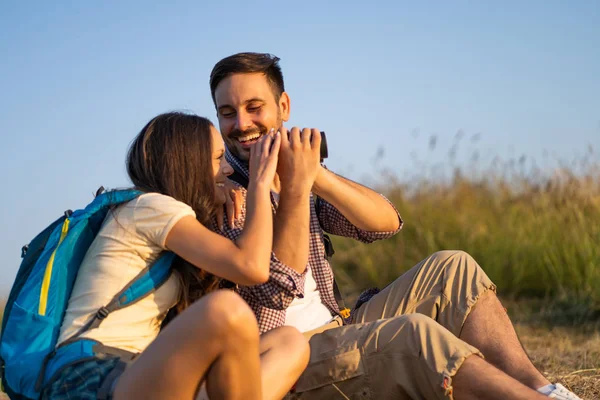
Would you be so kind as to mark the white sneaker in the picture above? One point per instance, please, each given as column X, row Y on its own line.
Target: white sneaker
column 562, row 393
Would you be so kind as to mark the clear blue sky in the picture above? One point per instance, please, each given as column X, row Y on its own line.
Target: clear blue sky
column 78, row 79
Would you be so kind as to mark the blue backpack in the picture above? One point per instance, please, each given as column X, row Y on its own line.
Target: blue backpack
column 29, row 357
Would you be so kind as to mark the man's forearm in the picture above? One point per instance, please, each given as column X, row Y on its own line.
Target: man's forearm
column 292, row 230
column 363, row 207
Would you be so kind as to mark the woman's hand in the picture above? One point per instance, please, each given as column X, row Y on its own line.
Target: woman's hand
column 263, row 158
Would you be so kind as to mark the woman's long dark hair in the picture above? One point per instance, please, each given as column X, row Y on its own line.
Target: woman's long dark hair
column 172, row 155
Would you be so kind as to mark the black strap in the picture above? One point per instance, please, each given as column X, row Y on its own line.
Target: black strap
column 329, row 252
column 239, row 177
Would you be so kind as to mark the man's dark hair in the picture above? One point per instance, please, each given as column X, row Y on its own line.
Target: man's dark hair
column 247, row 63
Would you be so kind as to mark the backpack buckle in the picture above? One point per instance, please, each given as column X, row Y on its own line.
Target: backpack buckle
column 24, row 250
column 102, row 313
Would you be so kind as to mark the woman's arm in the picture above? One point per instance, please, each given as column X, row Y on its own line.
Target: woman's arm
column 246, row 261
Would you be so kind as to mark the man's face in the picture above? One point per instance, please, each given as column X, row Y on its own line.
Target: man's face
column 247, row 109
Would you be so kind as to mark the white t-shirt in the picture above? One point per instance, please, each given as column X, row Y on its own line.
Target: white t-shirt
column 309, row 312
column 131, row 238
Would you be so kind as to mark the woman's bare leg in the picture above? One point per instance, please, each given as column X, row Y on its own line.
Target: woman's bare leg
column 284, row 356
column 216, row 337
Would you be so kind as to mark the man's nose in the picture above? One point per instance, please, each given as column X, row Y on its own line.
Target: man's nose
column 243, row 121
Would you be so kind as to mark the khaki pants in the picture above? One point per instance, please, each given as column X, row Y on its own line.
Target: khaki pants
column 404, row 342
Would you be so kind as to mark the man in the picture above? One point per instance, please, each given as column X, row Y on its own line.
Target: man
column 424, row 335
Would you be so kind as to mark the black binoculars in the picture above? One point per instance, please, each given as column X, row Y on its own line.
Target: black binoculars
column 324, row 153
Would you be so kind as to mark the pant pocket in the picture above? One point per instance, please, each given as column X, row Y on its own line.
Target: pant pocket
column 335, row 375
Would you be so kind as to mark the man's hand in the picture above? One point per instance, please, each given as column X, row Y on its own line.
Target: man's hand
column 233, row 204
column 299, row 160
column 299, row 163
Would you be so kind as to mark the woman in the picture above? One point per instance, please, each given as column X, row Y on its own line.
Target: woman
column 177, row 160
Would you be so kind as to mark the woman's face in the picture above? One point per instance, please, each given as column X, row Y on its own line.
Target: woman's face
column 221, row 168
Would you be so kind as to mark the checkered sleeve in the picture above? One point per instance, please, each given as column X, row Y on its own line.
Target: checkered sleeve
column 284, row 282
column 283, row 286
column 333, row 221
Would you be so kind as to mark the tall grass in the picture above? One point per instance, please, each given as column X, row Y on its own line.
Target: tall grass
column 535, row 234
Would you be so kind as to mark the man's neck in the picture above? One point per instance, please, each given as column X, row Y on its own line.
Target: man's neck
column 275, row 186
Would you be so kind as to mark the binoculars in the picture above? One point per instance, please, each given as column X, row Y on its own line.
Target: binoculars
column 324, row 152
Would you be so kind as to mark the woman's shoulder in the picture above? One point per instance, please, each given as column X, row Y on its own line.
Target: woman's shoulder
column 153, row 205
column 160, row 201
column 154, row 214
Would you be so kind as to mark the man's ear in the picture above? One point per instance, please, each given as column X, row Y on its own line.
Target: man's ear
column 284, row 106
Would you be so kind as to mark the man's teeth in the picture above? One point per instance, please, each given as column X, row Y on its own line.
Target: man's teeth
column 249, row 137
column 221, row 184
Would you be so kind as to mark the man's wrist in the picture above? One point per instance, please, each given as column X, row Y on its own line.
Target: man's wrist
column 294, row 193
column 320, row 180
column 259, row 185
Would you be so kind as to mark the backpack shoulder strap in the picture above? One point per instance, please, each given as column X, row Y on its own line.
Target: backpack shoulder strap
column 111, row 198
column 144, row 284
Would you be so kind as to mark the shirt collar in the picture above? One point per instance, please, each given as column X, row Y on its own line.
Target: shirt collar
column 237, row 164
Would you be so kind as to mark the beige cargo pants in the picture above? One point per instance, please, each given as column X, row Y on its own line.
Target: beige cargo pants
column 403, row 343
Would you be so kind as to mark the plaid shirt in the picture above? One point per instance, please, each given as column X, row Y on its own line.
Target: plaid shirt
column 270, row 300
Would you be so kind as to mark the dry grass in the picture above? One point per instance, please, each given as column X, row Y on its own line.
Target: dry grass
column 565, row 355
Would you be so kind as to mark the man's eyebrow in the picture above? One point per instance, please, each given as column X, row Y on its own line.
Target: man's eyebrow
column 254, row 99
column 221, row 107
